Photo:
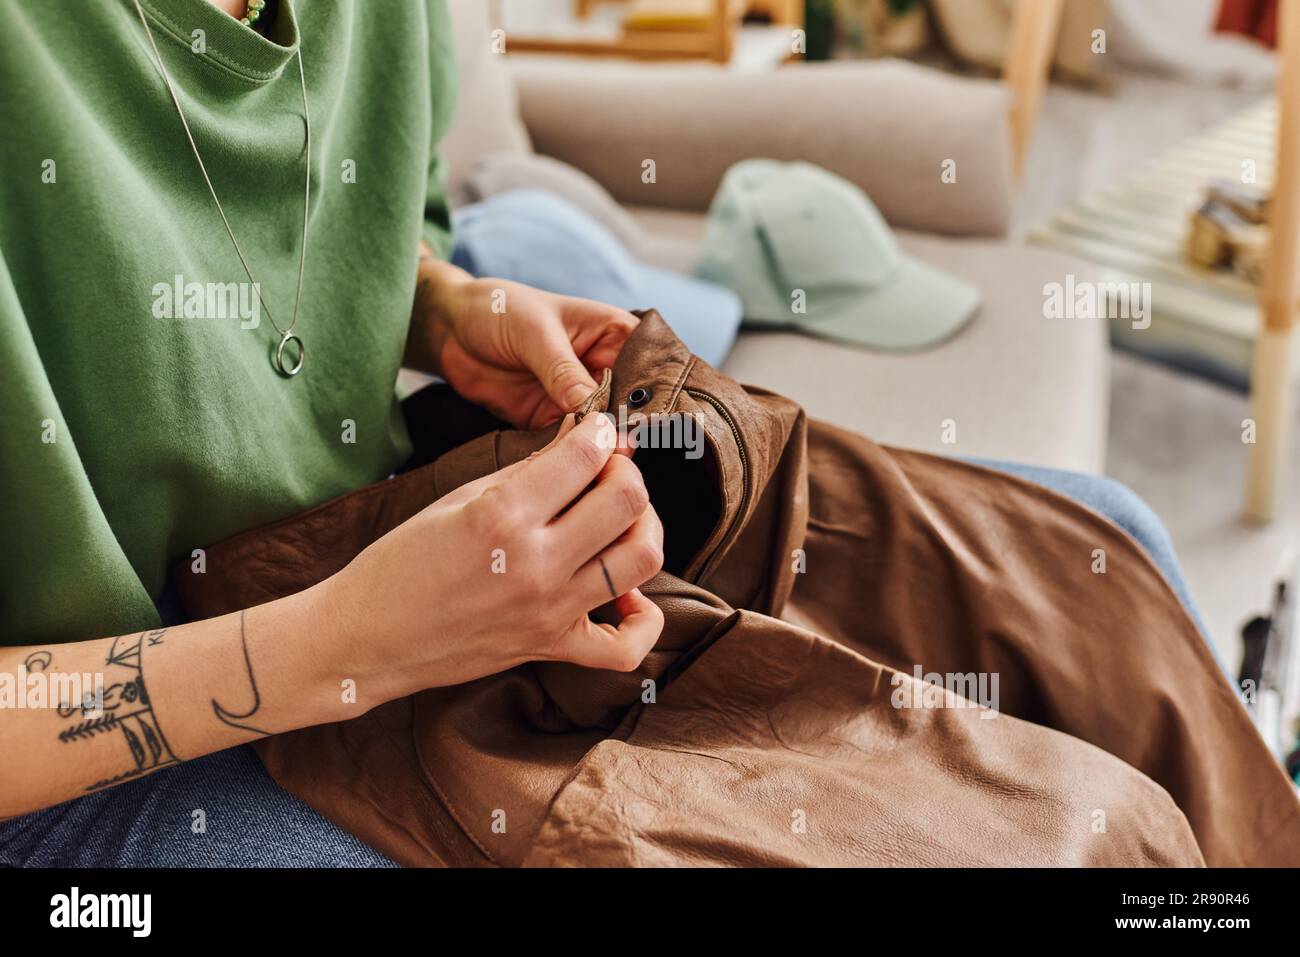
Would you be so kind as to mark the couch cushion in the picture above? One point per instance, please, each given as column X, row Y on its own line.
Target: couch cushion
column 498, row 173
column 889, row 126
column 1017, row 386
column 487, row 112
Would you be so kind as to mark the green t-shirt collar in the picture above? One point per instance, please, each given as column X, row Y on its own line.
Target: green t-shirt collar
column 228, row 43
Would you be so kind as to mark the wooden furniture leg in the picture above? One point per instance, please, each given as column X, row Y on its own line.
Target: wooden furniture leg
column 722, row 31
column 1270, row 378
column 1026, row 67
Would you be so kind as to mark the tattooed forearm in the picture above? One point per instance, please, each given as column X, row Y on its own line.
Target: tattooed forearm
column 107, row 710
column 124, row 710
column 228, row 717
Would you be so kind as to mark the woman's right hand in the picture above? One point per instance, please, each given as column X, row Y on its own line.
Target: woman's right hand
column 504, row 570
column 428, row 604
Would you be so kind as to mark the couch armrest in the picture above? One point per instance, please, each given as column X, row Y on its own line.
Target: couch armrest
column 888, row 126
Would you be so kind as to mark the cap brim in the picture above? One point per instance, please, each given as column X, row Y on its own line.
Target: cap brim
column 921, row 307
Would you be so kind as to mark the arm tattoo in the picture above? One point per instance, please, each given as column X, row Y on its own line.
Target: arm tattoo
column 126, row 711
column 225, row 716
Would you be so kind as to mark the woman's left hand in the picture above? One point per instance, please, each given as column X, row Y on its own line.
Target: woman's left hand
column 526, row 355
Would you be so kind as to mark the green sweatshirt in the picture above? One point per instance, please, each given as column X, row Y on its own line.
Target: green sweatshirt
column 136, row 424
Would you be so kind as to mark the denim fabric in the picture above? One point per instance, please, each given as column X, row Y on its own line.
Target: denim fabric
column 251, row 821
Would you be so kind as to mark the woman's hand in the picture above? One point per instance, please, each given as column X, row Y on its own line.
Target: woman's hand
column 526, row 355
column 501, row 571
column 504, row 570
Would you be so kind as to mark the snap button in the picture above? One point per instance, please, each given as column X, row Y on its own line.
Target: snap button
column 638, row 397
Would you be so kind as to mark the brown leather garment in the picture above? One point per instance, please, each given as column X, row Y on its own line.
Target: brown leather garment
column 769, row 725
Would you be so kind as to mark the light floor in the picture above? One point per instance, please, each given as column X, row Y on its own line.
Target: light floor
column 1174, row 439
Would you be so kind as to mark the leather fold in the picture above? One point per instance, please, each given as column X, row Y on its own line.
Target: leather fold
column 836, row 613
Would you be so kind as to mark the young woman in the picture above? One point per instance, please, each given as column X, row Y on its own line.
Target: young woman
column 222, row 232
column 140, row 425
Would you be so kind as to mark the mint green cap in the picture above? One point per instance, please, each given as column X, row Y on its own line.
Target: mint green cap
column 792, row 236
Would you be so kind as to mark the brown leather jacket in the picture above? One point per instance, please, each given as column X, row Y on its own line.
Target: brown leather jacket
column 813, row 582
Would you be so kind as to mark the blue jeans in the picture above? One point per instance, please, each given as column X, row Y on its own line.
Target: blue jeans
column 251, row 821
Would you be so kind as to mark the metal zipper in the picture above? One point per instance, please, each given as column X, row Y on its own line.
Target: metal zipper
column 744, row 475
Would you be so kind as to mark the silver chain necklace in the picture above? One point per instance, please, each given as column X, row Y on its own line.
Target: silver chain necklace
column 286, row 335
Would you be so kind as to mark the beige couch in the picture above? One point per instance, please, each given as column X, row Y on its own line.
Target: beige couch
column 1017, row 385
